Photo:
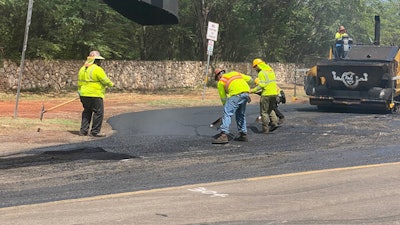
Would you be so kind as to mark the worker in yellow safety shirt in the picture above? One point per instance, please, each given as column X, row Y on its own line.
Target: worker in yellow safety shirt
column 339, row 49
column 92, row 83
column 341, row 33
column 281, row 99
column 233, row 89
column 269, row 92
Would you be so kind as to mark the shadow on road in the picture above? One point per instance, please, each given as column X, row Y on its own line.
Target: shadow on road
column 52, row 157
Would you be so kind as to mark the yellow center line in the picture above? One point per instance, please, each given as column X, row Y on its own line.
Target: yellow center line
column 324, row 171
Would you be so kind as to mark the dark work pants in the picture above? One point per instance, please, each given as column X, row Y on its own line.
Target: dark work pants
column 278, row 113
column 93, row 108
column 267, row 105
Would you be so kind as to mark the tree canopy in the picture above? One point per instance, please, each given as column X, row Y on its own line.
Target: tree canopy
column 297, row 31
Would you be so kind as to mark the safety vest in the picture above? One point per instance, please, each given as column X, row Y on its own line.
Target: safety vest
column 339, row 36
column 92, row 81
column 232, row 83
column 267, row 82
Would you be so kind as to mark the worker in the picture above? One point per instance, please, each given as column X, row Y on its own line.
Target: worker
column 341, row 32
column 92, row 83
column 233, row 89
column 281, row 99
column 269, row 92
column 339, row 43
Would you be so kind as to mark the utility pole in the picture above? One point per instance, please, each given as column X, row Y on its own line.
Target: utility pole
column 22, row 66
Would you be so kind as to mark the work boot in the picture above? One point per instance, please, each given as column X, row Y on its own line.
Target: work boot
column 242, row 137
column 98, row 135
column 222, row 139
column 265, row 129
column 273, row 127
column 281, row 121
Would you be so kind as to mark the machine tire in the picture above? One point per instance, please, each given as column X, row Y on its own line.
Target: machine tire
column 309, row 85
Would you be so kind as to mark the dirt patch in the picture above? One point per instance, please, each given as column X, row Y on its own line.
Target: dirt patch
column 61, row 125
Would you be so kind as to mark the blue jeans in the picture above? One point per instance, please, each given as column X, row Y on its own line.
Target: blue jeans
column 235, row 105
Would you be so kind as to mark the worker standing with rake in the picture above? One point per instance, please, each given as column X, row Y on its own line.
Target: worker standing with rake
column 92, row 83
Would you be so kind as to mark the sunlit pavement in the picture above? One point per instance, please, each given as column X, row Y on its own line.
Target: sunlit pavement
column 355, row 195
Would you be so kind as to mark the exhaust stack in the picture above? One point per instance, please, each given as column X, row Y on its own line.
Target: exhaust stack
column 377, row 30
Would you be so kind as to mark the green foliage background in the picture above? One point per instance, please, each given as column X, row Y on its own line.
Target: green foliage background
column 299, row 31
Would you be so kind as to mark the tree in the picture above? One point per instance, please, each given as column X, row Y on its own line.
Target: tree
column 299, row 31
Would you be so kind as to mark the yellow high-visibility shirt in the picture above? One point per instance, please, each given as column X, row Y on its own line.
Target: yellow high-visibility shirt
column 92, row 81
column 232, row 83
column 339, row 36
column 266, row 81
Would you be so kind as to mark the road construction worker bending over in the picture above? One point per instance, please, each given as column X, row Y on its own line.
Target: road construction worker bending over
column 233, row 89
column 269, row 92
column 92, row 83
column 281, row 99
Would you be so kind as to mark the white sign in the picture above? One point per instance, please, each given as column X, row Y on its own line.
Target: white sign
column 212, row 31
column 210, row 47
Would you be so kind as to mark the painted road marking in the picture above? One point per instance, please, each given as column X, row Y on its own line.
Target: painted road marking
column 128, row 194
column 323, row 171
column 205, row 191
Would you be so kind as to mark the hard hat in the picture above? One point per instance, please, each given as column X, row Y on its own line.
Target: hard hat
column 257, row 61
column 217, row 71
column 95, row 55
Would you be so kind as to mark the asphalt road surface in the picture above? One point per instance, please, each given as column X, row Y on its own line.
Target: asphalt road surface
column 318, row 168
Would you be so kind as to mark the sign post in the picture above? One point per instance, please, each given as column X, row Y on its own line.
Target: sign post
column 212, row 35
column 22, row 65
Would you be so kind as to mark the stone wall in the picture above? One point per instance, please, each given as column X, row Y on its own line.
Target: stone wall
column 42, row 75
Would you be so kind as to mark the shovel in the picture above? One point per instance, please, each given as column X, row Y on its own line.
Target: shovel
column 55, row 107
column 216, row 123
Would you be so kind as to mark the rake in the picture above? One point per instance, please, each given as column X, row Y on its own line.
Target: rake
column 55, row 107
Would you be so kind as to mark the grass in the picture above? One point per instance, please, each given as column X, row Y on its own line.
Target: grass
column 8, row 124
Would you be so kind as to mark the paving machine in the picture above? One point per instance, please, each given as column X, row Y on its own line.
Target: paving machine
column 361, row 76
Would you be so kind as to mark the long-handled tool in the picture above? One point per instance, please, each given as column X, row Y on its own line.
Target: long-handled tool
column 54, row 107
column 216, row 123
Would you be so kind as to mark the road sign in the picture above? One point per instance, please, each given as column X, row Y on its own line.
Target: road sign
column 210, row 47
column 212, row 35
column 212, row 31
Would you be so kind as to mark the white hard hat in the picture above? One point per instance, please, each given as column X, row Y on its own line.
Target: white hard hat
column 95, row 55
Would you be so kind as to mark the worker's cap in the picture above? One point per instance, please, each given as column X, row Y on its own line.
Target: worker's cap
column 95, row 55
column 217, row 72
column 257, row 61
